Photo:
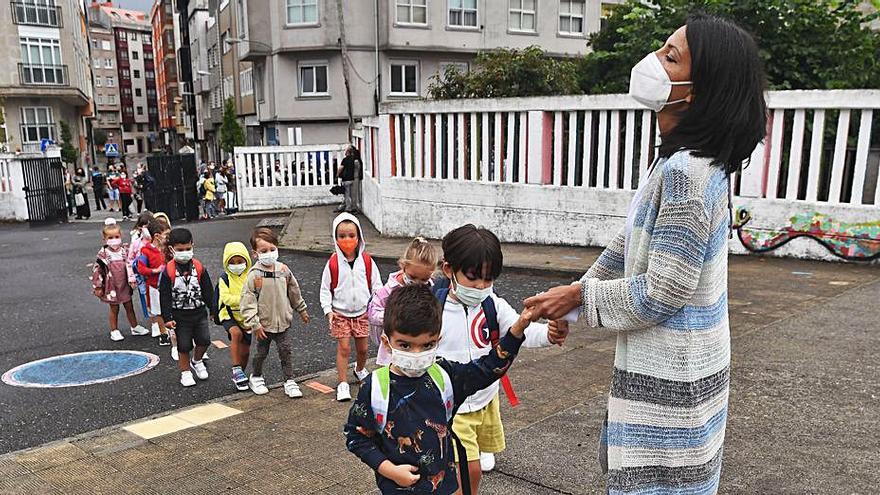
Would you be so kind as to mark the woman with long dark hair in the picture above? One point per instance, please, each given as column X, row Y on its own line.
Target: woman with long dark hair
column 661, row 284
column 80, row 194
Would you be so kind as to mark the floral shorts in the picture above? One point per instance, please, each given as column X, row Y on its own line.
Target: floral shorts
column 344, row 327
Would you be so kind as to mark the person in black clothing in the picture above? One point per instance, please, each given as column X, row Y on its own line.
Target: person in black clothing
column 80, row 181
column 99, row 183
column 350, row 174
column 186, row 298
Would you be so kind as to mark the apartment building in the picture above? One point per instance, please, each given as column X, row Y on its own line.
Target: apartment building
column 166, row 39
column 45, row 75
column 195, row 15
column 394, row 49
column 136, row 76
column 108, row 116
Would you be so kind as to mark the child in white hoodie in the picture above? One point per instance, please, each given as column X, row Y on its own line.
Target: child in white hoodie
column 349, row 280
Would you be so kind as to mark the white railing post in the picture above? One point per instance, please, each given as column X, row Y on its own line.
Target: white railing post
column 540, row 139
column 384, row 147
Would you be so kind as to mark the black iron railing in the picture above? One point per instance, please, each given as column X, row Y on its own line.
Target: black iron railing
column 43, row 75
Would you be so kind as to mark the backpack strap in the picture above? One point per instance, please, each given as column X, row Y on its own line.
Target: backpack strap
column 334, row 272
column 368, row 265
column 444, row 384
column 171, row 271
column 199, row 269
column 491, row 314
column 380, row 390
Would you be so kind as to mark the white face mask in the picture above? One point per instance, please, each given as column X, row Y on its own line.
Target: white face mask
column 413, row 364
column 470, row 296
column 183, row 256
column 649, row 84
column 268, row 259
column 114, row 243
column 238, row 269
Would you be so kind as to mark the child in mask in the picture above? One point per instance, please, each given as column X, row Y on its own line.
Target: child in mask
column 349, row 280
column 416, row 267
column 150, row 264
column 474, row 317
column 399, row 424
column 270, row 296
column 236, row 262
column 187, row 299
column 113, row 280
column 140, row 236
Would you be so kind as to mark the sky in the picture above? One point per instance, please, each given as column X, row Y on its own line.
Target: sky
column 142, row 5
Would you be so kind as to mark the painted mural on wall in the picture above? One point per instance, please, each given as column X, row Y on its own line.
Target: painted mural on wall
column 848, row 241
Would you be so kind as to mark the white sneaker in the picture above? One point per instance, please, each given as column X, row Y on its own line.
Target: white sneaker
column 343, row 392
column 174, row 354
column 258, row 385
column 487, row 461
column 205, row 356
column 292, row 389
column 155, row 332
column 362, row 374
column 116, row 335
column 186, row 379
column 199, row 368
column 139, row 330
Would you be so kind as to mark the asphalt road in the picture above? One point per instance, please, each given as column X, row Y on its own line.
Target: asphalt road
column 48, row 310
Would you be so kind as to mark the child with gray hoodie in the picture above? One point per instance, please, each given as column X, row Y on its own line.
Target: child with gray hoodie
column 270, row 296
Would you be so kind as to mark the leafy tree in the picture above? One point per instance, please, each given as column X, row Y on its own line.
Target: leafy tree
column 231, row 133
column 805, row 44
column 508, row 73
column 69, row 152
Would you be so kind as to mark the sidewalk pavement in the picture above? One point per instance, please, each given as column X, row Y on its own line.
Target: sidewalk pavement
column 804, row 410
column 308, row 232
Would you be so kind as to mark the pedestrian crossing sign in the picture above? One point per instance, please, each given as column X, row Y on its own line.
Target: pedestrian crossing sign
column 111, row 150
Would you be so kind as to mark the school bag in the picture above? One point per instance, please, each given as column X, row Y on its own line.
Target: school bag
column 334, row 271
column 217, row 304
column 380, row 392
column 441, row 292
column 171, row 272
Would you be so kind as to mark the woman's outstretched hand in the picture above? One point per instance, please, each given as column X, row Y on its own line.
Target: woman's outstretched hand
column 556, row 303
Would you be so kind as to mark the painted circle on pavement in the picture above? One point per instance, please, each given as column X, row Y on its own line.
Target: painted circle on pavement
column 78, row 369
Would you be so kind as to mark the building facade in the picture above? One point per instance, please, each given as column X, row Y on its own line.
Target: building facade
column 136, row 77
column 166, row 39
column 45, row 75
column 108, row 117
column 299, row 76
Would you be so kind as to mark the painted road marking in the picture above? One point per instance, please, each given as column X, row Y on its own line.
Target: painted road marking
column 183, row 420
column 79, row 369
column 320, row 387
column 219, row 344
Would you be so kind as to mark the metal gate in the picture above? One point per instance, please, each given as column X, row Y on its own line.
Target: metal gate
column 44, row 189
column 174, row 188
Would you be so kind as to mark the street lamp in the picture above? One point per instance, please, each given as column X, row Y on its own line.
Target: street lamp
column 235, row 41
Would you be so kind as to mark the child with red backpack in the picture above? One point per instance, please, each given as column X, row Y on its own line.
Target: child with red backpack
column 187, row 298
column 349, row 280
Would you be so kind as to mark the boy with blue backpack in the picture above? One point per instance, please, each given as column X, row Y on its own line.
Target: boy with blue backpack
column 475, row 319
column 400, row 423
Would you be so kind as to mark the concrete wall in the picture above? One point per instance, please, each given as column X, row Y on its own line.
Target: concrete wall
column 13, row 205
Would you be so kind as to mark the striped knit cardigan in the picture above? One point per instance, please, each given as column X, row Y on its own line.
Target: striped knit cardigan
column 662, row 286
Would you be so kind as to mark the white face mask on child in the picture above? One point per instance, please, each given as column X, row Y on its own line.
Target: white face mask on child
column 114, row 243
column 238, row 269
column 413, row 364
column 268, row 259
column 470, row 296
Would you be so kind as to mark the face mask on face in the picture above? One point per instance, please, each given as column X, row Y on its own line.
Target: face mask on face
column 347, row 245
column 183, row 256
column 469, row 296
column 114, row 243
column 238, row 269
column 268, row 259
column 413, row 364
column 649, row 84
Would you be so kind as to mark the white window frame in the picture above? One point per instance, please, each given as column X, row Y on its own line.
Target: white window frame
column 570, row 17
column 314, row 65
column 459, row 7
column 106, row 46
column 246, row 82
column 411, row 5
column 302, row 5
column 110, row 82
column 97, row 82
column 49, row 124
column 403, row 63
column 228, row 88
column 97, row 63
column 53, row 65
column 521, row 12
column 108, row 63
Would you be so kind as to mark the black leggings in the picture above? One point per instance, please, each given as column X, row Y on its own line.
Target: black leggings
column 99, row 200
column 126, row 203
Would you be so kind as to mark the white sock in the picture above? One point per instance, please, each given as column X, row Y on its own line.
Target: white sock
column 155, row 327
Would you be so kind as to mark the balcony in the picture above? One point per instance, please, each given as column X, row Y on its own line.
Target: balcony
column 42, row 75
column 33, row 14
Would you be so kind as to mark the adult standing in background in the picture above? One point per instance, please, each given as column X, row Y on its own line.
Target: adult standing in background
column 349, row 174
column 99, row 183
column 222, row 184
column 81, row 197
column 661, row 285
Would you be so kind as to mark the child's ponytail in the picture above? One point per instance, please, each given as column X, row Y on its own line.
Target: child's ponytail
column 421, row 252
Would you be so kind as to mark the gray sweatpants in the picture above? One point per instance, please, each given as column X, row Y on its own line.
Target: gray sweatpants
column 284, row 344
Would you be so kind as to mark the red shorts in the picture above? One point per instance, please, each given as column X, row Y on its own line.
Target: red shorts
column 344, row 327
